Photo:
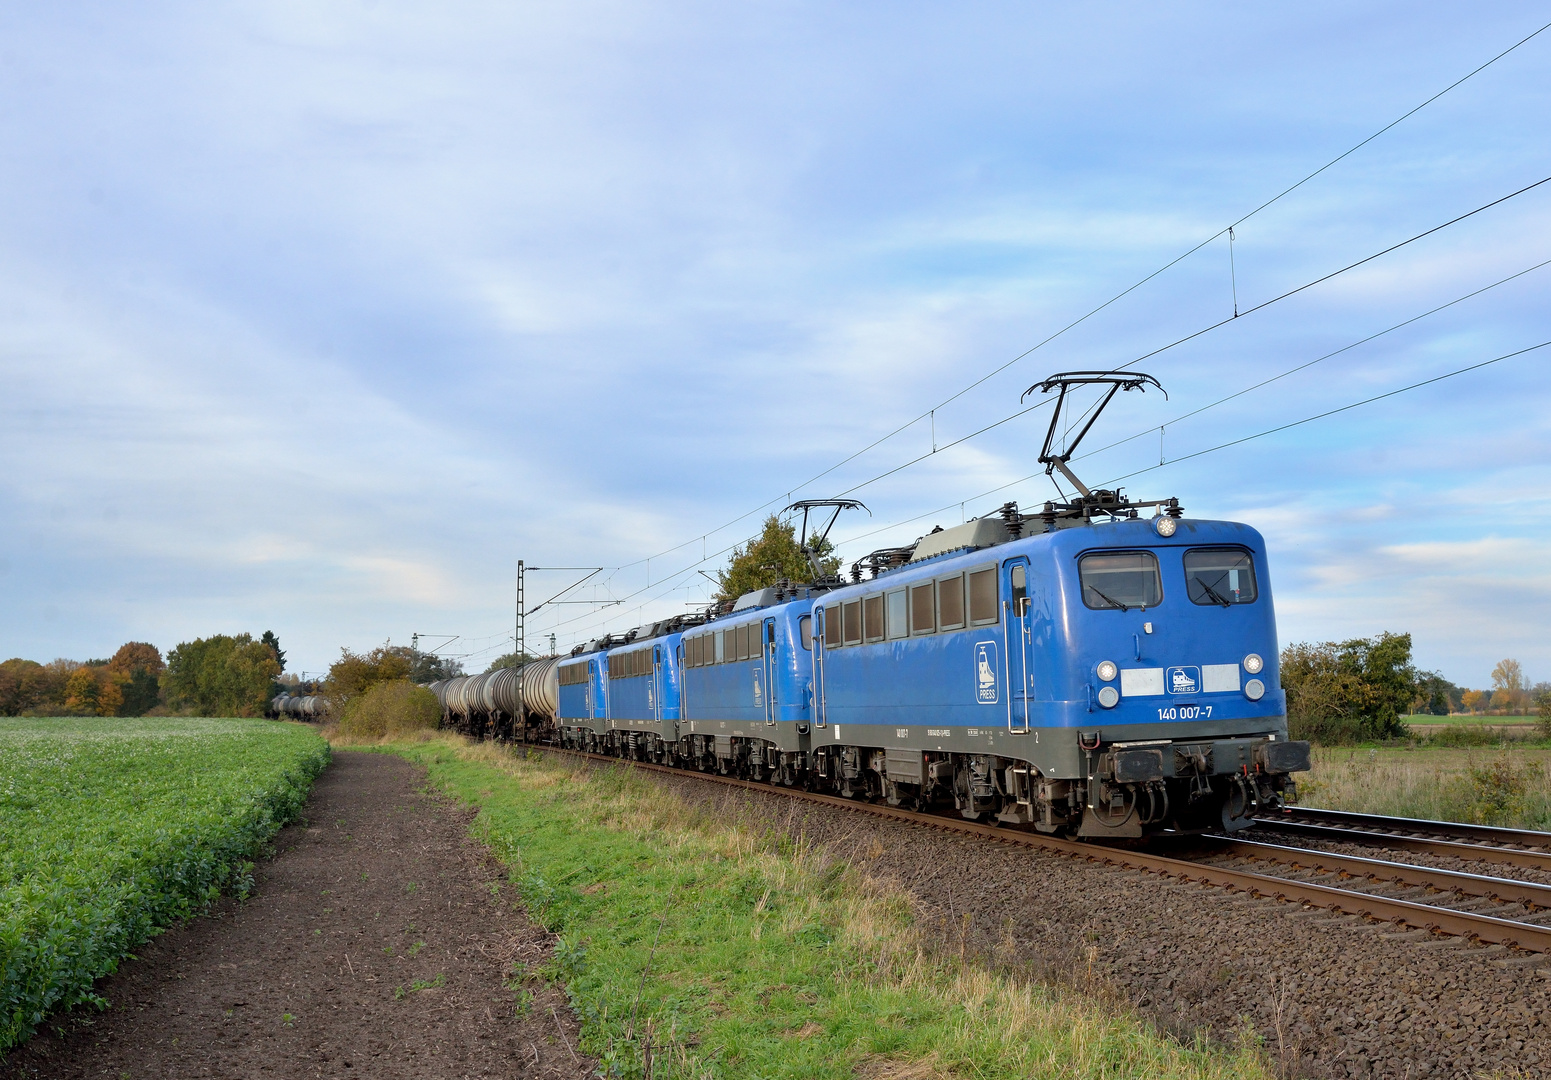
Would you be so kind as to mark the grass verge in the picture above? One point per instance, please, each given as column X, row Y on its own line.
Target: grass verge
column 714, row 948
column 113, row 829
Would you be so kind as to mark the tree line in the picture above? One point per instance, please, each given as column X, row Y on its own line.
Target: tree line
column 1361, row 690
column 223, row 675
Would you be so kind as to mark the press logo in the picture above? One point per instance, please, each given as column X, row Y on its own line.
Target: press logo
column 985, row 673
column 1184, row 680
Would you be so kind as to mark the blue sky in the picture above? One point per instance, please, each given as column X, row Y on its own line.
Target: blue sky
column 317, row 317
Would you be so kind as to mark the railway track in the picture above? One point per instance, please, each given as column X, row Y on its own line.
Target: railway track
column 1497, row 911
column 1485, row 843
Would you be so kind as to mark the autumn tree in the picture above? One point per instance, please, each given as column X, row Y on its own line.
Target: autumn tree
column 429, row 668
column 355, row 673
column 1435, row 694
column 21, row 686
column 82, row 691
column 772, row 556
column 51, row 687
column 1475, row 700
column 138, row 667
column 221, row 676
column 511, row 659
column 1508, row 691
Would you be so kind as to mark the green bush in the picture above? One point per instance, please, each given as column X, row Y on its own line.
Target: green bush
column 1494, row 793
column 1339, row 693
column 1465, row 735
column 390, row 709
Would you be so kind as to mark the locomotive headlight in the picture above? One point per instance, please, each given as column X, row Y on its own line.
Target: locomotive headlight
column 1253, row 663
column 1109, row 697
column 1107, row 671
column 1254, row 689
column 1164, row 526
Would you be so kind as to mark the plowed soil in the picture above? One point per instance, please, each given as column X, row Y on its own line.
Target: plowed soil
column 379, row 943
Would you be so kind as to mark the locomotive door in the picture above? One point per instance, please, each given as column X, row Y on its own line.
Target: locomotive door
column 1018, row 646
column 769, row 657
column 592, row 690
column 654, row 692
column 683, row 687
column 819, row 615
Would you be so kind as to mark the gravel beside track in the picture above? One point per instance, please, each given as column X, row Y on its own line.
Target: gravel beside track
column 1332, row 996
column 374, row 946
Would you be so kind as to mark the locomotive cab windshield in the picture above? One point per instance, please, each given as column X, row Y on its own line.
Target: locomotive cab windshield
column 1120, row 580
column 1222, row 576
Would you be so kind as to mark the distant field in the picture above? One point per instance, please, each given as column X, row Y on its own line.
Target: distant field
column 112, row 829
column 1427, row 720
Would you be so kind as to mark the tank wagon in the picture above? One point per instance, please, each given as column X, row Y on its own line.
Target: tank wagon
column 500, row 704
column 300, row 706
column 1084, row 670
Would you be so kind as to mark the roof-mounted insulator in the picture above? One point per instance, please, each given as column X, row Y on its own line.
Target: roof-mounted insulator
column 1012, row 518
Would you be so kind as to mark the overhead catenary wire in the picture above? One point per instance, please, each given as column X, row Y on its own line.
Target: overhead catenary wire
column 1333, row 412
column 1319, row 359
column 672, row 578
column 701, row 537
column 1208, row 329
column 1195, row 454
column 1265, row 382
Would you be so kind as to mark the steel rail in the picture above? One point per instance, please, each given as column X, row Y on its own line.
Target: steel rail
column 1457, row 830
column 1535, row 860
column 1496, row 888
column 1487, row 928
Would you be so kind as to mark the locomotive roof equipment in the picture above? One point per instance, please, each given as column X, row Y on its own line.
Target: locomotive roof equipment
column 1092, row 503
column 806, row 505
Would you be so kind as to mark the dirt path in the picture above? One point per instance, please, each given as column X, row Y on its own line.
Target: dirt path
column 375, row 946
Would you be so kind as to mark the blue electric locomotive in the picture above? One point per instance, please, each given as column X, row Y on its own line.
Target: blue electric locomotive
column 1100, row 679
column 1085, row 670
column 622, row 695
column 748, row 687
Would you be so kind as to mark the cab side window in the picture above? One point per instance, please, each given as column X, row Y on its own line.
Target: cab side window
column 853, row 622
column 982, row 596
column 872, row 618
column 950, row 602
column 923, row 608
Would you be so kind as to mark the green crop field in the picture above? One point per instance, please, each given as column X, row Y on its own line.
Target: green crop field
column 113, row 829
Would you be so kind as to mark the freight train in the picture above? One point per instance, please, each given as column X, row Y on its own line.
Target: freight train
column 1086, row 671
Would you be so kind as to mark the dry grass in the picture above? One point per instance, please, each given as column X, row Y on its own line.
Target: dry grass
column 1503, row 785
